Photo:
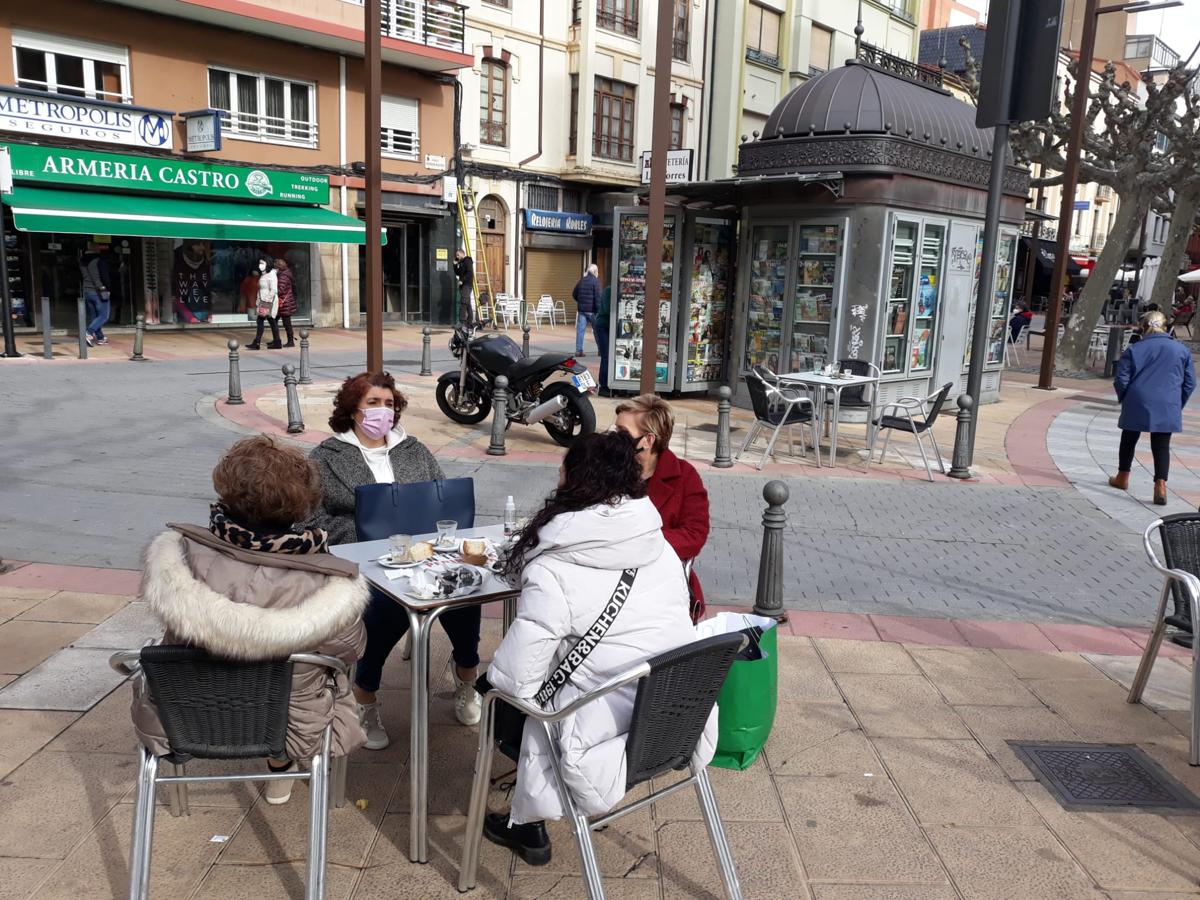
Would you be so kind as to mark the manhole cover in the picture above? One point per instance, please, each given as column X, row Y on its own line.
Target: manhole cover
column 711, row 428
column 1108, row 777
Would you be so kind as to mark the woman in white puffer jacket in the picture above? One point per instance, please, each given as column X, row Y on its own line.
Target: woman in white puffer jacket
column 570, row 559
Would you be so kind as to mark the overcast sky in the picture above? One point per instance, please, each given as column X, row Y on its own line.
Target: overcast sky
column 1179, row 27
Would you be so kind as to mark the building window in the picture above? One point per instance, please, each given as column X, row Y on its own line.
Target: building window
column 679, row 39
column 263, row 107
column 614, row 117
column 762, row 35
column 572, row 200
column 541, row 196
column 820, row 50
column 573, row 141
column 678, row 118
column 493, row 103
column 63, row 65
column 399, row 132
column 618, row 15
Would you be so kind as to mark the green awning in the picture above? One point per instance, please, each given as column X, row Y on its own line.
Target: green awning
column 139, row 215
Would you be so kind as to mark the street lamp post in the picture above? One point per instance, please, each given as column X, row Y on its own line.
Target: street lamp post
column 1066, row 208
column 372, row 97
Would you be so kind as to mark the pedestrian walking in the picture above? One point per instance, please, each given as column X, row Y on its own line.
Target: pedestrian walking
column 587, row 298
column 96, row 283
column 1155, row 377
column 370, row 446
column 288, row 306
column 596, row 534
column 464, row 271
column 603, row 321
column 673, row 484
column 255, row 586
column 267, row 308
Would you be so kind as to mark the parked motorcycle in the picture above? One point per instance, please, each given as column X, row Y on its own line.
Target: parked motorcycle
column 563, row 407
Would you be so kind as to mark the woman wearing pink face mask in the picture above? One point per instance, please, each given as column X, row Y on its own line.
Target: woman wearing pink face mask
column 370, row 446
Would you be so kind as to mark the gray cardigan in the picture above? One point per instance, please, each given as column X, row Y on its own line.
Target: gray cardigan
column 343, row 468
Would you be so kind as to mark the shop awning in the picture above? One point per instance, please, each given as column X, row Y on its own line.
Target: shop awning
column 137, row 215
column 1045, row 256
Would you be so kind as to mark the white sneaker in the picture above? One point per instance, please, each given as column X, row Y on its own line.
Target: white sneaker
column 467, row 707
column 279, row 790
column 372, row 723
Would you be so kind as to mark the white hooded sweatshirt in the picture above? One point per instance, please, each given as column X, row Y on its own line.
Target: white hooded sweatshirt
column 568, row 579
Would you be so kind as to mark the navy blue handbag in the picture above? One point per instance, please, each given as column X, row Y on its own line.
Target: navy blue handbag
column 381, row 510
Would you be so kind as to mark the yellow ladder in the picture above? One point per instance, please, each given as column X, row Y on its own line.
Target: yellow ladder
column 468, row 220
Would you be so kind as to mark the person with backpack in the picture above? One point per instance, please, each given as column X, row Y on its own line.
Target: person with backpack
column 595, row 544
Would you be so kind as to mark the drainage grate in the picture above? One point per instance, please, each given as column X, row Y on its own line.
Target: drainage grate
column 1104, row 777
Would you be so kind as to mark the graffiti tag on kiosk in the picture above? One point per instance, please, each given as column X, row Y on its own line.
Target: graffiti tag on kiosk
column 961, row 259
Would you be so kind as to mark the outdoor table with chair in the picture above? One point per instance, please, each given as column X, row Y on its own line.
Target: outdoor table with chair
column 819, row 385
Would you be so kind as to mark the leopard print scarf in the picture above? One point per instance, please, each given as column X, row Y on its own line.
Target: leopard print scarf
column 299, row 541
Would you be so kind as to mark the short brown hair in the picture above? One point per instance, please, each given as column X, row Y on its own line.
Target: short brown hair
column 657, row 417
column 345, row 404
column 263, row 482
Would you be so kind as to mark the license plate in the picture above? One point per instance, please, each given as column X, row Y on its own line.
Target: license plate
column 583, row 381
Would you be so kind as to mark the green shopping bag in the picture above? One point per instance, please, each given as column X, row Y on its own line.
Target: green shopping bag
column 746, row 704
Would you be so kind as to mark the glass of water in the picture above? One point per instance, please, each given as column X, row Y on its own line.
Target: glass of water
column 401, row 544
column 447, row 528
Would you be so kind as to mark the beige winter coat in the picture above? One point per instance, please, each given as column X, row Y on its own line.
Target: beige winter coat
column 249, row 605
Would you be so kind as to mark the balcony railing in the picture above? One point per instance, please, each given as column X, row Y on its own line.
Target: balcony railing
column 899, row 66
column 435, row 23
column 614, row 21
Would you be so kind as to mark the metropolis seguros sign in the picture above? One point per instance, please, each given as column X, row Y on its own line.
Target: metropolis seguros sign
column 170, row 175
column 53, row 115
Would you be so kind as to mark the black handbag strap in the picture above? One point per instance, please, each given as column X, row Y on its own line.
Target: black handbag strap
column 587, row 643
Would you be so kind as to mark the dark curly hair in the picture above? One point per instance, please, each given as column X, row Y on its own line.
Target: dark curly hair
column 599, row 469
column 350, row 394
column 263, row 482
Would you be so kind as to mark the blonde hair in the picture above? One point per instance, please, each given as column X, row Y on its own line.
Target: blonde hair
column 656, row 415
column 1154, row 321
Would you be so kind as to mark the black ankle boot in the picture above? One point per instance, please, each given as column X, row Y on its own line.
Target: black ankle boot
column 528, row 841
column 274, row 345
column 253, row 345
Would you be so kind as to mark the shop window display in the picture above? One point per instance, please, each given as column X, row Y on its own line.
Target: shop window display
column 712, row 275
column 631, row 299
column 768, row 279
column 1000, row 302
column 216, row 282
column 914, row 292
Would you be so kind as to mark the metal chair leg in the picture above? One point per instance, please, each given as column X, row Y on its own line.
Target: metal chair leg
column 750, row 436
column 473, row 837
column 716, row 834
column 770, row 444
column 924, row 458
column 937, row 451
column 337, row 778
column 318, row 815
column 1194, row 742
column 887, row 439
column 142, row 841
column 579, row 823
column 177, row 796
column 1152, row 647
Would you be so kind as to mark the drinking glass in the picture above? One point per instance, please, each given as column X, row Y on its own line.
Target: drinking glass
column 401, row 544
column 446, row 531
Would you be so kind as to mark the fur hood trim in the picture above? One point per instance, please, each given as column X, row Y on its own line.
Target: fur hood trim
column 194, row 612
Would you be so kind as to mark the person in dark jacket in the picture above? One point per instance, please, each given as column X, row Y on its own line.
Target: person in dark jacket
column 672, row 484
column 95, row 281
column 1155, row 377
column 370, row 446
column 464, row 271
column 603, row 319
column 288, row 306
column 587, row 299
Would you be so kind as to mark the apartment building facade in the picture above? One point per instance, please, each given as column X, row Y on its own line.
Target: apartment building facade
column 556, row 118
column 762, row 49
column 285, row 82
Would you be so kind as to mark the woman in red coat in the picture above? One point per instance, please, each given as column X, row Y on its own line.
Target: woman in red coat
column 673, row 484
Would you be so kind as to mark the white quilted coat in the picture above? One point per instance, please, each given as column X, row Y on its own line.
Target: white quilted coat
column 568, row 579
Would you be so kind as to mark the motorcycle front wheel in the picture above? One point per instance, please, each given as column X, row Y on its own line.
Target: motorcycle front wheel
column 467, row 409
column 573, row 420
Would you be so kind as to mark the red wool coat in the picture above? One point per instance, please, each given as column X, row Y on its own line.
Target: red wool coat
column 678, row 494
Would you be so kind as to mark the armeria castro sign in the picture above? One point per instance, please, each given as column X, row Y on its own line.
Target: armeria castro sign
column 562, row 222
column 54, row 115
column 164, row 175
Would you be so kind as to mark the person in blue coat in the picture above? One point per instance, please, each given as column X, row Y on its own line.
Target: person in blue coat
column 1155, row 377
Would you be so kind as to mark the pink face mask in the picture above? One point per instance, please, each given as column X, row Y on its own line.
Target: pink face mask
column 377, row 421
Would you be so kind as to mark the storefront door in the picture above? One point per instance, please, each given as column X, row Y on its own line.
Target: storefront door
column 404, row 299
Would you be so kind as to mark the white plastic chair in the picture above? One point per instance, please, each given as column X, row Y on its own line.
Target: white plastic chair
column 508, row 310
column 544, row 309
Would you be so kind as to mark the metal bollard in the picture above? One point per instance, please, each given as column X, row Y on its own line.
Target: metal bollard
column 768, row 599
column 960, row 466
column 82, row 310
column 234, row 397
column 1116, row 341
column 139, row 338
column 723, row 460
column 525, row 341
column 499, row 417
column 305, row 367
column 426, row 356
column 47, row 343
column 295, row 422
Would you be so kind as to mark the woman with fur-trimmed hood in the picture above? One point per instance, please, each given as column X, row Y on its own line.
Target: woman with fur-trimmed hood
column 254, row 586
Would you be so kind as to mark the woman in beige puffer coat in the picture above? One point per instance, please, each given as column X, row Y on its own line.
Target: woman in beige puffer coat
column 252, row 586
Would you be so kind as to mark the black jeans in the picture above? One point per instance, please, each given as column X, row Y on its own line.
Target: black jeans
column 386, row 622
column 1160, row 446
column 262, row 320
column 287, row 327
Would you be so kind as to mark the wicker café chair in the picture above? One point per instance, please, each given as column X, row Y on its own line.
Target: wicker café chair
column 1180, row 568
column 676, row 692
column 218, row 709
